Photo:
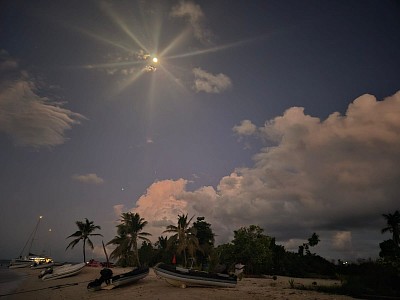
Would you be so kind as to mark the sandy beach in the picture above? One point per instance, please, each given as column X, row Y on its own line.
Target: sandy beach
column 153, row 287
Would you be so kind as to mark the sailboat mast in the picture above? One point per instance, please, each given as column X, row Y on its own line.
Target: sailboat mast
column 33, row 234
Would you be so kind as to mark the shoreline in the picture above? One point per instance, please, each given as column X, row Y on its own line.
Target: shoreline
column 152, row 287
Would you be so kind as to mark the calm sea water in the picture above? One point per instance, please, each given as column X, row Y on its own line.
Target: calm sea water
column 9, row 279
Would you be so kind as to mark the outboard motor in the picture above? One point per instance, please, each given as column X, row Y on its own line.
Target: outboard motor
column 106, row 275
column 46, row 271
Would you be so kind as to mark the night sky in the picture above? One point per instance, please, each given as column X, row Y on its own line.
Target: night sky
column 282, row 114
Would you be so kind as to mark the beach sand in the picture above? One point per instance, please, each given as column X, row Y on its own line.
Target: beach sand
column 153, row 287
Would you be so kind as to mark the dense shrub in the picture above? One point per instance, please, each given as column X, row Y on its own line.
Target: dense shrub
column 297, row 265
column 371, row 278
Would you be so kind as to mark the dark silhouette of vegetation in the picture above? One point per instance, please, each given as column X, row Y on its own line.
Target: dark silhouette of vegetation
column 390, row 249
column 252, row 248
column 369, row 279
column 163, row 252
column 205, row 237
column 379, row 279
column 85, row 231
column 122, row 253
column 184, row 237
column 129, row 231
column 312, row 241
column 262, row 256
column 148, row 254
column 393, row 226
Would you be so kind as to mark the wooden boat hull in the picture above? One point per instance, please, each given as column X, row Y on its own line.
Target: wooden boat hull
column 181, row 277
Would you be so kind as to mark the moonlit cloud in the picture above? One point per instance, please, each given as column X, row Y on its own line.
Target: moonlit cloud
column 161, row 205
column 7, row 63
column 118, row 209
column 342, row 240
column 29, row 118
column 194, row 15
column 336, row 175
column 90, row 178
column 209, row 83
column 245, row 128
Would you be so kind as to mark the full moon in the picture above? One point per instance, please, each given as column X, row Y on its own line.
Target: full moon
column 155, row 59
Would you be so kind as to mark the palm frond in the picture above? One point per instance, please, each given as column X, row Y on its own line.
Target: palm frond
column 77, row 233
column 73, row 243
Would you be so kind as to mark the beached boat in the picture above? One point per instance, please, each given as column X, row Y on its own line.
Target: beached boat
column 117, row 280
column 20, row 264
column 62, row 271
column 183, row 277
column 51, row 269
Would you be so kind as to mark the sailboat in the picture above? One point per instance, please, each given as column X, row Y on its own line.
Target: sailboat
column 30, row 259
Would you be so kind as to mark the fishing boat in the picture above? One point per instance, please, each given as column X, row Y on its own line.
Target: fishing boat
column 62, row 271
column 182, row 277
column 117, row 280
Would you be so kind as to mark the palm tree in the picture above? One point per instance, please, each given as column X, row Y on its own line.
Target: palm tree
column 162, row 243
column 393, row 226
column 184, row 237
column 164, row 253
column 122, row 252
column 129, row 231
column 85, row 231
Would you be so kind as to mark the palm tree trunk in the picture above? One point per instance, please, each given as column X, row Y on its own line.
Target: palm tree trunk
column 105, row 252
column 136, row 253
column 84, row 254
column 184, row 256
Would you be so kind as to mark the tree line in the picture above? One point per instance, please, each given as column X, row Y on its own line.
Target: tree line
column 192, row 244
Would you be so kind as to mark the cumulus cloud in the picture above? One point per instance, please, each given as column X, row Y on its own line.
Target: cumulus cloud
column 29, row 118
column 334, row 176
column 194, row 15
column 90, row 178
column 244, row 130
column 161, row 205
column 210, row 83
column 246, row 127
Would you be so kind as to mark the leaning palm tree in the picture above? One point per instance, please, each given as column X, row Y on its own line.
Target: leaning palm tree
column 184, row 237
column 85, row 231
column 130, row 230
column 393, row 226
